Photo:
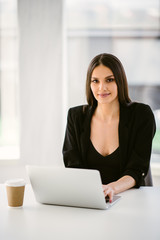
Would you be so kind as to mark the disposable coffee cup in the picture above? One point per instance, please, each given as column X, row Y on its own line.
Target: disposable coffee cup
column 15, row 192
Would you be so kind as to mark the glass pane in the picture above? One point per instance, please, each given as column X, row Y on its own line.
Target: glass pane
column 119, row 14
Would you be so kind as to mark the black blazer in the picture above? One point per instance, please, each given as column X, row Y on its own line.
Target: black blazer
column 136, row 130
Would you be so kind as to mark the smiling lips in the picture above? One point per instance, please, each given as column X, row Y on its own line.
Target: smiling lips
column 104, row 95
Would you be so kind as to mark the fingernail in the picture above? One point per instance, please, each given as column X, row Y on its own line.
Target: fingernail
column 110, row 201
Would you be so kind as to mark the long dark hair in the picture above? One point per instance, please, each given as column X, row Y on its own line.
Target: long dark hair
column 114, row 64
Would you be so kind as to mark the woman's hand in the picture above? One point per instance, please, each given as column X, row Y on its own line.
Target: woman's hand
column 109, row 190
column 118, row 186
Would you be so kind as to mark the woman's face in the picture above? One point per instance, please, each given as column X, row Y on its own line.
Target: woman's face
column 103, row 85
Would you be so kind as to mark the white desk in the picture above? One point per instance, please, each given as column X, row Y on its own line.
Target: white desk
column 136, row 216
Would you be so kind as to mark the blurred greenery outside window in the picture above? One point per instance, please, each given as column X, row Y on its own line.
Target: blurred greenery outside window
column 130, row 30
column 9, row 112
column 156, row 140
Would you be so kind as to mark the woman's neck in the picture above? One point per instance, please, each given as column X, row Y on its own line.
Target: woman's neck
column 107, row 112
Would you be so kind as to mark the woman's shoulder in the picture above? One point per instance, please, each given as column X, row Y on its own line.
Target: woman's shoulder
column 79, row 108
column 140, row 109
column 137, row 106
column 79, row 111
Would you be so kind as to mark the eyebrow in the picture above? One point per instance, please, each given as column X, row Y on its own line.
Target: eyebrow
column 105, row 77
column 110, row 76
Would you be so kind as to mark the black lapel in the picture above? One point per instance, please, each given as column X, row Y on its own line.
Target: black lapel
column 85, row 135
column 123, row 133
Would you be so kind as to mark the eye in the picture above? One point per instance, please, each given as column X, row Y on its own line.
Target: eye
column 94, row 81
column 110, row 80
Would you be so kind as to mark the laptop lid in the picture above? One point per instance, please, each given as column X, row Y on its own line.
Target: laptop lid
column 67, row 186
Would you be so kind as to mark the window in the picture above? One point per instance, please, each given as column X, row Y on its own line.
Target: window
column 9, row 111
column 130, row 30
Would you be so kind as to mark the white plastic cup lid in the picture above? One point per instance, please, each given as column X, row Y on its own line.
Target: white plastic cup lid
column 17, row 182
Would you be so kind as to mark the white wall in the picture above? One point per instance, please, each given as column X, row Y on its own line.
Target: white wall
column 40, row 79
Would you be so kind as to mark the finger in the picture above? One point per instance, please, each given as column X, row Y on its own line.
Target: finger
column 110, row 194
column 106, row 191
column 105, row 194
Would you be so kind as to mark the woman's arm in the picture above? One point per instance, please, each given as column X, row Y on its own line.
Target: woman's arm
column 139, row 159
column 141, row 131
column 124, row 183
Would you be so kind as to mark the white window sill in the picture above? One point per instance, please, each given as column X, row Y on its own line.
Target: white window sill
column 155, row 164
column 9, row 153
column 155, row 169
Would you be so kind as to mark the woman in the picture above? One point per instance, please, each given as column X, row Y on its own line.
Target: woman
column 111, row 134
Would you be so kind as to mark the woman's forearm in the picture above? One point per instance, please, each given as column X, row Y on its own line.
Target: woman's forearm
column 124, row 183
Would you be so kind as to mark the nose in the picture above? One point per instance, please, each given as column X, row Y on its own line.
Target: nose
column 102, row 86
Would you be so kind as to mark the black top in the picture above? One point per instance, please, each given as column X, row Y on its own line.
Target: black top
column 108, row 166
column 136, row 130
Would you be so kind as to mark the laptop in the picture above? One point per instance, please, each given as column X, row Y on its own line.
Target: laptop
column 68, row 187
